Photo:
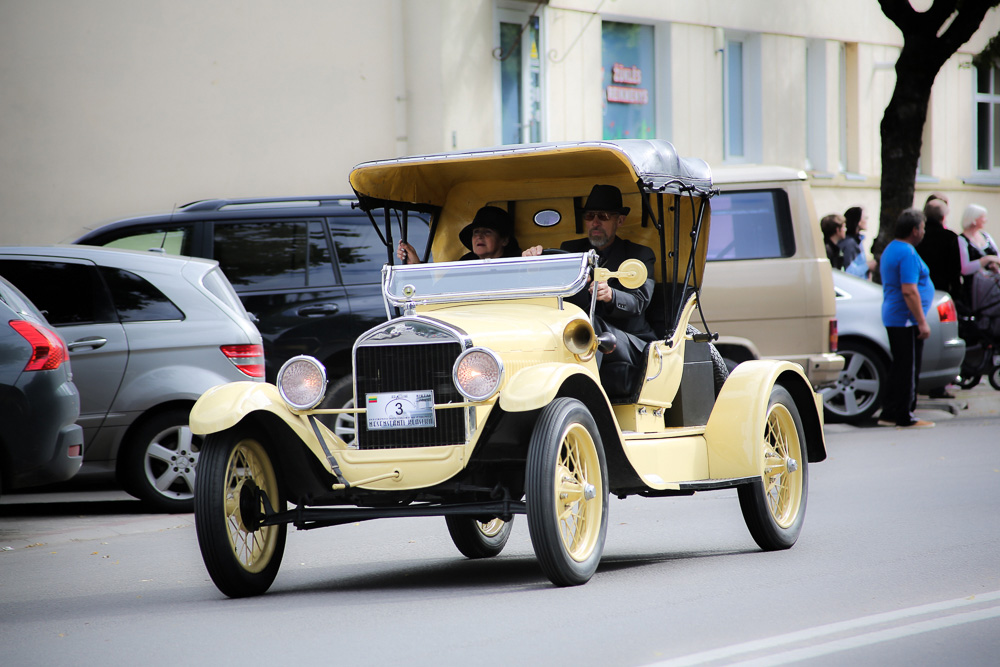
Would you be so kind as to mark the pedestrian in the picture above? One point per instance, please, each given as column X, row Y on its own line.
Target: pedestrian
column 852, row 247
column 939, row 249
column 907, row 295
column 834, row 231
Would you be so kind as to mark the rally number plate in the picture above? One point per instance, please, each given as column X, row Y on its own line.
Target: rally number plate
column 408, row 409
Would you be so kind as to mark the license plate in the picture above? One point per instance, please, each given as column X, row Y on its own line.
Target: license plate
column 407, row 409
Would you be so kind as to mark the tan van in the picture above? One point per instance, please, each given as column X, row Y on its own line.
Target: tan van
column 768, row 286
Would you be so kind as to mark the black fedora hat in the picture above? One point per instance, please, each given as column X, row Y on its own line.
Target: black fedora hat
column 491, row 217
column 605, row 198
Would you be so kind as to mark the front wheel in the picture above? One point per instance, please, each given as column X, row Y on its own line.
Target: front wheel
column 567, row 492
column 236, row 482
column 774, row 506
column 968, row 381
column 478, row 539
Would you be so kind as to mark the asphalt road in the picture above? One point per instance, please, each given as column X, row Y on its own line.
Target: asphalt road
column 898, row 563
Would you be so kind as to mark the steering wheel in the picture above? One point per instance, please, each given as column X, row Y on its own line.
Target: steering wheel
column 554, row 251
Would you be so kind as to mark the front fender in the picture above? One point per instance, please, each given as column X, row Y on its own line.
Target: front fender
column 735, row 429
column 535, row 387
column 225, row 405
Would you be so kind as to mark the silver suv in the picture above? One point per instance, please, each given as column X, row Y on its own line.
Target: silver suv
column 147, row 335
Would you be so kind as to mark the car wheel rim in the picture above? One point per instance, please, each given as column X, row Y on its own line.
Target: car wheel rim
column 248, row 470
column 782, row 470
column 491, row 528
column 579, row 492
column 345, row 424
column 170, row 462
column 857, row 387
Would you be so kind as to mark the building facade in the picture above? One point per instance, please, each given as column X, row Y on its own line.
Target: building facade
column 112, row 108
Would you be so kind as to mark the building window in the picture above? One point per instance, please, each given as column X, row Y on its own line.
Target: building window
column 520, row 82
column 741, row 97
column 629, row 81
column 988, row 119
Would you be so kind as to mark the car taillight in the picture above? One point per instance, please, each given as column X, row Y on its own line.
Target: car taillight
column 947, row 312
column 248, row 358
column 833, row 336
column 48, row 350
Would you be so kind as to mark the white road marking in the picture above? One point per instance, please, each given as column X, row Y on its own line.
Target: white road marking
column 834, row 646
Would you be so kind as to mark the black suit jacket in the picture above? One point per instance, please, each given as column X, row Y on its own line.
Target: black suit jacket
column 627, row 309
column 939, row 250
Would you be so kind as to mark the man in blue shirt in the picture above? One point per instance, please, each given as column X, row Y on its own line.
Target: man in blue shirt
column 907, row 294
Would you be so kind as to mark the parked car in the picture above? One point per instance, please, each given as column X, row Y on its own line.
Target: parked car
column 40, row 441
column 768, row 285
column 147, row 334
column 864, row 344
column 307, row 268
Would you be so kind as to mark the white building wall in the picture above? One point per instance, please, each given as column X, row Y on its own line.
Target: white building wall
column 114, row 107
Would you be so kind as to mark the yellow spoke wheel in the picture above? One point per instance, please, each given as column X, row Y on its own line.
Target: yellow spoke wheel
column 774, row 506
column 235, row 474
column 567, row 492
column 479, row 539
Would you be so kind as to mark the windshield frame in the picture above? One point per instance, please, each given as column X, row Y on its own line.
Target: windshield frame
column 394, row 279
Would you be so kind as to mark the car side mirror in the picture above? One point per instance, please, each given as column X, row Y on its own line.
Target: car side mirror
column 631, row 274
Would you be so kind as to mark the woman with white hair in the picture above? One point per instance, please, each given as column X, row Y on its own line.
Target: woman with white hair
column 976, row 249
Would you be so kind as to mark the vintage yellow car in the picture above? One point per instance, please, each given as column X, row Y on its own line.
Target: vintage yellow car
column 483, row 396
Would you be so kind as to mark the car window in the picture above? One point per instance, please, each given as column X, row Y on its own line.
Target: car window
column 216, row 283
column 136, row 299
column 361, row 252
column 66, row 293
column 273, row 254
column 176, row 240
column 754, row 224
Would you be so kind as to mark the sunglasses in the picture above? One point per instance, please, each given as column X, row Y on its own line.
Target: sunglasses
column 603, row 216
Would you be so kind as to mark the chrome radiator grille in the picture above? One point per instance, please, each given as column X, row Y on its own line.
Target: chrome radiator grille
column 391, row 368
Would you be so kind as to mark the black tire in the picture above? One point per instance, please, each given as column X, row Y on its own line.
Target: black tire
column 478, row 539
column 566, row 488
column 968, row 381
column 242, row 559
column 340, row 395
column 157, row 462
column 774, row 506
column 720, row 367
column 995, row 378
column 860, row 387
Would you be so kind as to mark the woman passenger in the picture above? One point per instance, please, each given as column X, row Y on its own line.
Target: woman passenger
column 488, row 236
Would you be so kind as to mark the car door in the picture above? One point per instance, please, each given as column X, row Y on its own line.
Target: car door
column 75, row 300
column 283, row 273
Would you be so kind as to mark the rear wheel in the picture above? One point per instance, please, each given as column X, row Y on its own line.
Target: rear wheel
column 158, row 461
column 860, row 386
column 567, row 492
column 774, row 506
column 995, row 378
column 236, row 483
column 478, row 539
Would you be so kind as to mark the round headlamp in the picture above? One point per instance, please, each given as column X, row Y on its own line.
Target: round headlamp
column 302, row 382
column 478, row 373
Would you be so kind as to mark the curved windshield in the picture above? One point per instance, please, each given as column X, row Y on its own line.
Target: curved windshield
column 505, row 278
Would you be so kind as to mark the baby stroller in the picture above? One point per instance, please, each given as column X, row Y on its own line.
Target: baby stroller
column 980, row 328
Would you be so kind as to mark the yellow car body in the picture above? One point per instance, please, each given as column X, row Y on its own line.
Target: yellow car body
column 548, row 439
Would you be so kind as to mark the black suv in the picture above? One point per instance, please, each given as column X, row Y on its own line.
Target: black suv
column 308, row 268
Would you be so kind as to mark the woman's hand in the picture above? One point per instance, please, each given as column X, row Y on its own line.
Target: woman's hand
column 407, row 253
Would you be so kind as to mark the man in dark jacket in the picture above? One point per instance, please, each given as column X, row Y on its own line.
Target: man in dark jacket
column 620, row 311
column 939, row 250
